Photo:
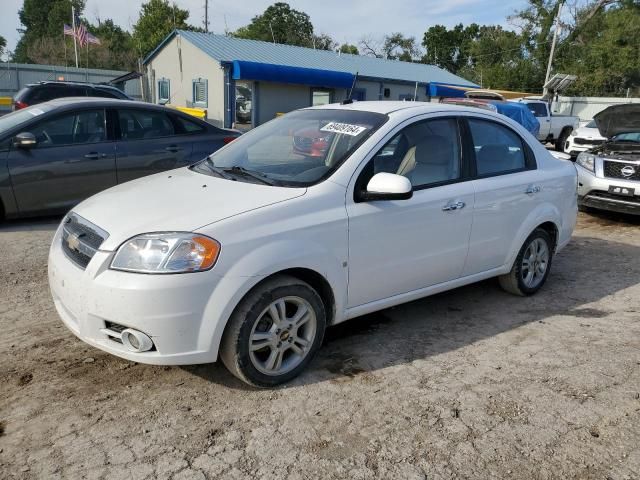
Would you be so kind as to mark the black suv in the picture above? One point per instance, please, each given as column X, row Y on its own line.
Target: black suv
column 40, row 92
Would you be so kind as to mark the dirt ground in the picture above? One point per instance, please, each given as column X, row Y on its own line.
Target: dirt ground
column 473, row 383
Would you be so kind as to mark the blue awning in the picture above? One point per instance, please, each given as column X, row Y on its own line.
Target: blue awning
column 447, row 90
column 269, row 72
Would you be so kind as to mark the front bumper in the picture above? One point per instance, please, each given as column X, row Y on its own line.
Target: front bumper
column 575, row 149
column 593, row 191
column 179, row 312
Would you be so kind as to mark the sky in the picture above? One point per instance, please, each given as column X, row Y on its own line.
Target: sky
column 346, row 21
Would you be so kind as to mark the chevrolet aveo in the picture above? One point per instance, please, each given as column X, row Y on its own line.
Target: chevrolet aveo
column 251, row 253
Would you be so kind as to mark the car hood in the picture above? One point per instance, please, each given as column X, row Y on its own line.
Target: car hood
column 618, row 119
column 589, row 133
column 175, row 201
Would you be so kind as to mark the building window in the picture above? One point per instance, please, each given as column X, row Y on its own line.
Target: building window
column 320, row 97
column 200, row 92
column 407, row 97
column 164, row 90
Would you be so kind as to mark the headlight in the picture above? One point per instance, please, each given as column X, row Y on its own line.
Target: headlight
column 173, row 252
column 587, row 160
column 574, row 133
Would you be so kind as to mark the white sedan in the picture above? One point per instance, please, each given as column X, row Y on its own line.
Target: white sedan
column 314, row 218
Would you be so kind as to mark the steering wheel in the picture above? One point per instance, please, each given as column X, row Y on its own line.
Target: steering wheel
column 47, row 138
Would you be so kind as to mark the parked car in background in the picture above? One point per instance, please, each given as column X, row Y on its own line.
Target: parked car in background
column 516, row 111
column 56, row 154
column 41, row 92
column 583, row 138
column 553, row 128
column 250, row 254
column 609, row 174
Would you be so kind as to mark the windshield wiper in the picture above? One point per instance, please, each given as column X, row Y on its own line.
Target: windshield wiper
column 217, row 170
column 251, row 173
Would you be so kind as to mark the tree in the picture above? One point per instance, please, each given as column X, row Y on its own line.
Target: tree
column 3, row 44
column 43, row 19
column 348, row 48
column 279, row 23
column 392, row 47
column 449, row 49
column 157, row 19
column 116, row 50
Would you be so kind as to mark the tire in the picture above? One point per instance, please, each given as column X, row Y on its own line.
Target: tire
column 559, row 145
column 522, row 281
column 282, row 346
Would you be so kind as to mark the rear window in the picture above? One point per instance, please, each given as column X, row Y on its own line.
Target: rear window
column 538, row 109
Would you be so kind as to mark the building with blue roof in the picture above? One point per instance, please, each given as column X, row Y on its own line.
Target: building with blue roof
column 245, row 83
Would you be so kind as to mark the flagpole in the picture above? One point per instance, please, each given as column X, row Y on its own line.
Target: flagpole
column 73, row 21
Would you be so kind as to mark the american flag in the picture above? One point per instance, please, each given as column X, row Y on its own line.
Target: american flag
column 92, row 39
column 82, row 35
column 68, row 30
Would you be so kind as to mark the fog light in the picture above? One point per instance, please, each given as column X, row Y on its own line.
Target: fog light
column 136, row 341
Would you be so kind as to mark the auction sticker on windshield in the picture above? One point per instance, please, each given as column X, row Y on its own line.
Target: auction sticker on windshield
column 346, row 128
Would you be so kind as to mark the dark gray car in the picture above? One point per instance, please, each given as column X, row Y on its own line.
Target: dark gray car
column 56, row 154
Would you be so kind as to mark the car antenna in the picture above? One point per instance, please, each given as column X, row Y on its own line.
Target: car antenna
column 349, row 100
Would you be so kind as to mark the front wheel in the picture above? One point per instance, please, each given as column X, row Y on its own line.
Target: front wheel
column 531, row 268
column 274, row 332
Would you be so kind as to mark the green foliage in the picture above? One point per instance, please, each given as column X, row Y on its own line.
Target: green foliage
column 157, row 19
column 279, row 23
column 348, row 48
column 43, row 19
column 3, row 44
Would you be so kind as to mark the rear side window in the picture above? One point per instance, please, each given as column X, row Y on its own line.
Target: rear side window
column 51, row 92
column 104, row 93
column 141, row 124
column 187, row 126
column 498, row 149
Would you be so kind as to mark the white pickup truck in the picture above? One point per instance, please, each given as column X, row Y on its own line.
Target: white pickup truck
column 553, row 128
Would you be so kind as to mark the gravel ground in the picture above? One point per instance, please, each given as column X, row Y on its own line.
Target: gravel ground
column 473, row 383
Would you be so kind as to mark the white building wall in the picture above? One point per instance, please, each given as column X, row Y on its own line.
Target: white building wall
column 181, row 63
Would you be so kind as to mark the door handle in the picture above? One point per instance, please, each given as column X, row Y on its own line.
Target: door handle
column 532, row 189
column 94, row 155
column 173, row 148
column 453, row 206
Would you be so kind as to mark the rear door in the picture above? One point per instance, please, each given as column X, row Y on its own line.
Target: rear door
column 148, row 142
column 506, row 192
column 74, row 158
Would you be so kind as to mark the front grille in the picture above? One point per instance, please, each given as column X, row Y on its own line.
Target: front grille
column 584, row 141
column 81, row 240
column 615, row 170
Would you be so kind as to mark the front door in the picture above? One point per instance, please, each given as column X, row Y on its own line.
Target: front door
column 400, row 246
column 72, row 160
column 149, row 143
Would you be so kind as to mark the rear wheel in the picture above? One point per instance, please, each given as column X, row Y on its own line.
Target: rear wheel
column 562, row 139
column 274, row 332
column 532, row 265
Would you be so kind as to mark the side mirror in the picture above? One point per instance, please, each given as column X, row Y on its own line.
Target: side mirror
column 388, row 186
column 24, row 140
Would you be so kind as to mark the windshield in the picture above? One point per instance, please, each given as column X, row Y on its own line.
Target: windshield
column 628, row 137
column 298, row 149
column 18, row 117
column 591, row 124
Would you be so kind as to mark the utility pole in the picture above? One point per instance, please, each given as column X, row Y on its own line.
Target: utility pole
column 206, row 16
column 553, row 46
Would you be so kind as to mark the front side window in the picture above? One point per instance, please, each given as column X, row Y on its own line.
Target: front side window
column 538, row 109
column 300, row 148
column 164, row 90
column 141, row 124
column 200, row 92
column 75, row 128
column 498, row 149
column 426, row 152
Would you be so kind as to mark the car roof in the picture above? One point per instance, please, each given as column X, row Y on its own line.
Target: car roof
column 391, row 106
column 79, row 101
column 71, row 84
